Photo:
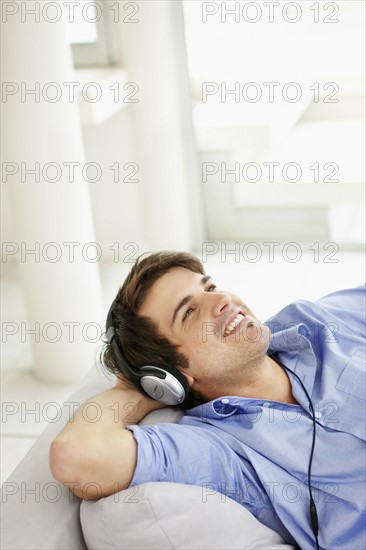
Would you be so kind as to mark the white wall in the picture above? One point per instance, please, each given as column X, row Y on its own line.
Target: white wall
column 162, row 209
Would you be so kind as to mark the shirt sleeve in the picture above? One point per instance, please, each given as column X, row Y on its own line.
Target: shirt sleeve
column 202, row 456
column 186, row 454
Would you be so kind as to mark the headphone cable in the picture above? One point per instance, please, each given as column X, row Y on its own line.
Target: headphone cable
column 313, row 512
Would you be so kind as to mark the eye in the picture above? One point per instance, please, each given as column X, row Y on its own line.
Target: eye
column 187, row 313
column 211, row 288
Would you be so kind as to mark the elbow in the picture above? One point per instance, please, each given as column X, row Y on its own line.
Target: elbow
column 90, row 467
column 63, row 461
column 70, row 466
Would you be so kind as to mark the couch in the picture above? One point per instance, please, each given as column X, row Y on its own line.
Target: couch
column 38, row 513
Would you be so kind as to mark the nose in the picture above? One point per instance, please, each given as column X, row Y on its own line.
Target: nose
column 218, row 303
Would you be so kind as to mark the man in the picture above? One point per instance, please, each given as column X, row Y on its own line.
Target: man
column 265, row 392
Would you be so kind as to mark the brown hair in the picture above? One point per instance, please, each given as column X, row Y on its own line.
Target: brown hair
column 137, row 336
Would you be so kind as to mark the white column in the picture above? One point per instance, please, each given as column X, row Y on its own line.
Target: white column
column 60, row 281
column 154, row 52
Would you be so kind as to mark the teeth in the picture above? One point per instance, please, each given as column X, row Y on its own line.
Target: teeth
column 234, row 323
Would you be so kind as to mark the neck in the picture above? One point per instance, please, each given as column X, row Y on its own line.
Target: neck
column 273, row 383
column 268, row 381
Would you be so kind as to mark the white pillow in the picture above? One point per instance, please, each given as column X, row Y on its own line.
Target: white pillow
column 164, row 516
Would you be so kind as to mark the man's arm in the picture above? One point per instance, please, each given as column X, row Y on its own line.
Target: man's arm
column 94, row 455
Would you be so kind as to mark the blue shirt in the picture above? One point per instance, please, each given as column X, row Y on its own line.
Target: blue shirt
column 257, row 452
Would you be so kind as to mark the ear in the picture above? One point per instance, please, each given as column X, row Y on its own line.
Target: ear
column 189, row 379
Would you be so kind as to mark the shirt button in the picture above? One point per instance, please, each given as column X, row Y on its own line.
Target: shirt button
column 225, row 401
column 266, row 404
column 317, row 414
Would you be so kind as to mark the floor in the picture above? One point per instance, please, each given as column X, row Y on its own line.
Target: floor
column 267, row 284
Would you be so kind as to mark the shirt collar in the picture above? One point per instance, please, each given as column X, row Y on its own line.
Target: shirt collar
column 284, row 343
column 293, row 337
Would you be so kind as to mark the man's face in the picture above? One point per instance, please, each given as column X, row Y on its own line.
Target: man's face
column 214, row 329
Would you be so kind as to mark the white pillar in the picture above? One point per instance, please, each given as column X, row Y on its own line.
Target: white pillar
column 154, row 52
column 62, row 296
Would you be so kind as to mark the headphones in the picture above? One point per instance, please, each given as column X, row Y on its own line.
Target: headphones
column 165, row 384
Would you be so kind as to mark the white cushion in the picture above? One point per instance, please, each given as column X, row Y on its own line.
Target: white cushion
column 170, row 515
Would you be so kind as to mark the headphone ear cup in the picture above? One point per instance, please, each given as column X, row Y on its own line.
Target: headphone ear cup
column 164, row 384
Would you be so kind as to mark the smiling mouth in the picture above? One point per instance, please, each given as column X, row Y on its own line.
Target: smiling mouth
column 233, row 324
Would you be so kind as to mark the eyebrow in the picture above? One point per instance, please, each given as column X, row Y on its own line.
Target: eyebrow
column 186, row 299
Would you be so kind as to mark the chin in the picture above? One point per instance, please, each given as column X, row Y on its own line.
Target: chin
column 257, row 348
column 257, row 334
